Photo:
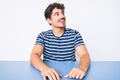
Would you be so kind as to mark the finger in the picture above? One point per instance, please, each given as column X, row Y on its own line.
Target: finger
column 74, row 74
column 48, row 75
column 44, row 77
column 53, row 75
column 57, row 75
column 66, row 76
column 77, row 76
column 69, row 75
column 82, row 75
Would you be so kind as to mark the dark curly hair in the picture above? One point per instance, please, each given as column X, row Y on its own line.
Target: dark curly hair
column 49, row 9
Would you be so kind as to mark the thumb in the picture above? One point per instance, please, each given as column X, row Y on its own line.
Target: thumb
column 44, row 77
column 66, row 76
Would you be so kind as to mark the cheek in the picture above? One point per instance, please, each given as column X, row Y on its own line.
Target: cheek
column 55, row 20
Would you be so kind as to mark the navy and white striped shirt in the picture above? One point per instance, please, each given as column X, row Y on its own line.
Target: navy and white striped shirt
column 59, row 48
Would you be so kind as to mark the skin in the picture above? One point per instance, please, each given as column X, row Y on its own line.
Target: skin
column 58, row 23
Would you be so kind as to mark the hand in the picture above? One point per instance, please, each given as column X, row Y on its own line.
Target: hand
column 50, row 73
column 76, row 73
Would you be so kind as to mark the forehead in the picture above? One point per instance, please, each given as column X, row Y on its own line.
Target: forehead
column 57, row 10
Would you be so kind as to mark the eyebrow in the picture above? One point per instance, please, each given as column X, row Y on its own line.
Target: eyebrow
column 58, row 12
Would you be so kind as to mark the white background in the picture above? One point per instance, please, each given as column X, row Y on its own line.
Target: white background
column 98, row 21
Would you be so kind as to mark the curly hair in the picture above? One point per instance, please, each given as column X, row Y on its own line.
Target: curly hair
column 49, row 9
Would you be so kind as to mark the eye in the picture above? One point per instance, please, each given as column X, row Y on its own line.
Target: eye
column 56, row 14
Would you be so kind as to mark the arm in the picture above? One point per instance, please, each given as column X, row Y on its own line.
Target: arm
column 84, row 63
column 35, row 58
column 84, row 57
column 38, row 63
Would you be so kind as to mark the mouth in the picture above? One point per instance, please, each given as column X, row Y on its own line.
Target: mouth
column 62, row 21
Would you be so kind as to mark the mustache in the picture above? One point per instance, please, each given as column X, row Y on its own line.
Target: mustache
column 62, row 19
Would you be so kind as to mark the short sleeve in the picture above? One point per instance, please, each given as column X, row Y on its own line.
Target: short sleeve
column 40, row 39
column 78, row 39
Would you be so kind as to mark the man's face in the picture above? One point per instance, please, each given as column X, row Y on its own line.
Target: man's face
column 57, row 19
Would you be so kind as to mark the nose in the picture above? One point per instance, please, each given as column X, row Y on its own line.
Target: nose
column 62, row 15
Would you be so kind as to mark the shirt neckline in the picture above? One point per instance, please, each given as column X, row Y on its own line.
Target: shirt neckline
column 58, row 36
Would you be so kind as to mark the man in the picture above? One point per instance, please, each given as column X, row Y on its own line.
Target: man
column 59, row 44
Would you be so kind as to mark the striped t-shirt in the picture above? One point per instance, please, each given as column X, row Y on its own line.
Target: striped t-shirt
column 59, row 48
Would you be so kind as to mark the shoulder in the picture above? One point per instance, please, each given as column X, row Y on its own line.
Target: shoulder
column 45, row 33
column 69, row 30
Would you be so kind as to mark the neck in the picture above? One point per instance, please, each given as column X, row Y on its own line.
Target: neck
column 58, row 31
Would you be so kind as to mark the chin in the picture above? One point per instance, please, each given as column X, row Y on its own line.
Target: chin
column 63, row 26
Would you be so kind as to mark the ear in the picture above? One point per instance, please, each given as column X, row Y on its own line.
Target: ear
column 48, row 20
